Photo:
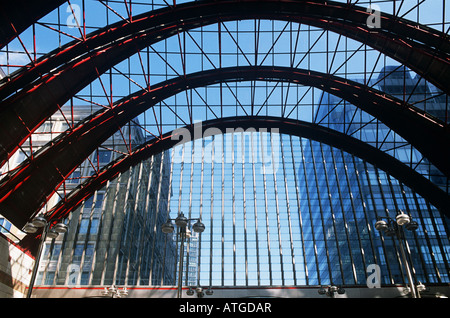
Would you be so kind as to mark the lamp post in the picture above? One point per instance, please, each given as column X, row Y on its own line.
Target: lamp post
column 182, row 224
column 331, row 290
column 115, row 292
column 51, row 232
column 200, row 292
column 391, row 227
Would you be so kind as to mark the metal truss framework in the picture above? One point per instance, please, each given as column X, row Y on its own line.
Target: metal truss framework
column 214, row 127
column 20, row 197
column 50, row 81
column 44, row 91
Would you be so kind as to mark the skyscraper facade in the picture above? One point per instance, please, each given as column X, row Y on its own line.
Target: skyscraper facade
column 359, row 193
column 111, row 237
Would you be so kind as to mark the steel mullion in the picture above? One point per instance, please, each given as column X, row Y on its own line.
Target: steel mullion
column 113, row 11
column 212, row 212
column 188, row 247
column 417, row 5
column 349, row 125
column 74, row 238
column 147, row 209
column 60, row 257
column 399, row 261
column 348, row 59
column 427, row 238
column 201, row 49
column 368, row 222
column 325, row 241
column 59, row 31
column 297, row 192
column 329, row 112
column 234, row 204
column 375, row 209
column 244, row 207
column 258, row 267
column 344, row 219
column 119, row 241
column 110, row 231
column 223, row 206
column 441, row 248
column 333, row 217
column 416, row 239
column 270, row 136
column 299, row 101
column 87, row 234
column 361, row 248
column 267, row 98
column 307, row 54
column 274, row 43
column 286, row 188
column 266, row 207
column 142, row 228
column 167, row 217
column 212, row 64
column 201, row 211
column 237, row 44
column 133, row 226
column 180, row 193
column 313, row 236
column 98, row 240
column 291, row 64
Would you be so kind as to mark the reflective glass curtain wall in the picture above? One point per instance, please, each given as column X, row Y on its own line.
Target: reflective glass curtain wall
column 279, row 210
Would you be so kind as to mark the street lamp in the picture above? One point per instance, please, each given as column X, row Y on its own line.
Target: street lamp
column 51, row 232
column 182, row 223
column 200, row 291
column 391, row 228
column 115, row 292
column 331, row 290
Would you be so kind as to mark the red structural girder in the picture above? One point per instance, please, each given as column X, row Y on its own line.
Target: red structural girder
column 54, row 79
column 26, row 190
column 303, row 129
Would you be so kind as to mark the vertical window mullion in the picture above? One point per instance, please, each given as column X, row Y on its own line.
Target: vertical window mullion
column 310, row 219
column 266, row 206
column 288, row 209
column 394, row 243
column 355, row 218
column 344, row 219
column 244, row 206
column 333, row 217
column 274, row 170
column 364, row 207
column 298, row 205
column 253, row 161
column 166, row 240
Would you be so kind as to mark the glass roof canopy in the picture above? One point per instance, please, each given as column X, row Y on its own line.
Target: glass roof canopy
column 235, row 43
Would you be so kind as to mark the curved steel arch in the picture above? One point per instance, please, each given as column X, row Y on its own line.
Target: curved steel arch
column 383, row 161
column 422, row 49
column 26, row 190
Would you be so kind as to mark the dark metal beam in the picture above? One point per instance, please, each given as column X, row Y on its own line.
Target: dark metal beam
column 26, row 190
column 75, row 65
column 383, row 161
